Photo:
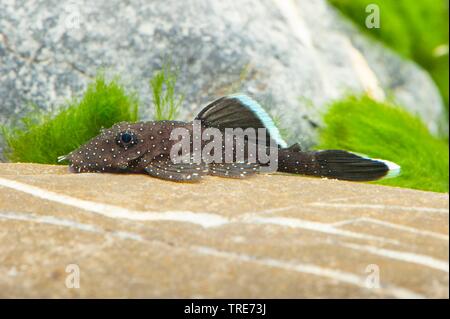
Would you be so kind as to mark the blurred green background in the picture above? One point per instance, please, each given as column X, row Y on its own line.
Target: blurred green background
column 417, row 30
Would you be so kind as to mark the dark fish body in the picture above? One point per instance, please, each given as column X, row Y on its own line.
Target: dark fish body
column 145, row 147
column 111, row 152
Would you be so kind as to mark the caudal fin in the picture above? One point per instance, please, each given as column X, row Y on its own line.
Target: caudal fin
column 336, row 164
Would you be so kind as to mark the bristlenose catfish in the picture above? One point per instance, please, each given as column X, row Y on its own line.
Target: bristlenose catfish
column 145, row 147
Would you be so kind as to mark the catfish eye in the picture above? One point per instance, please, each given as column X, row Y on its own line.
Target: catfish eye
column 126, row 138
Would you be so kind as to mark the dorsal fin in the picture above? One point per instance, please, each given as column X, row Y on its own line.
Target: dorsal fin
column 239, row 110
column 294, row 148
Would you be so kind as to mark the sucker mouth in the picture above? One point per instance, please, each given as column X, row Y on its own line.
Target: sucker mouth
column 73, row 169
column 135, row 162
column 96, row 167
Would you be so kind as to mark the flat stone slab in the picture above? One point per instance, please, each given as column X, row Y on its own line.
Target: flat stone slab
column 271, row 236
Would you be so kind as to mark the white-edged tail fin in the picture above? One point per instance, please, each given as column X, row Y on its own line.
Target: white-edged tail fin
column 336, row 164
column 394, row 169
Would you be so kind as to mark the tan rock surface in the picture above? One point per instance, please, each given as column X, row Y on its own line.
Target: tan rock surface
column 269, row 236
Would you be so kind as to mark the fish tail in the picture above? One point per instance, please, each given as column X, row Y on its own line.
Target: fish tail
column 335, row 164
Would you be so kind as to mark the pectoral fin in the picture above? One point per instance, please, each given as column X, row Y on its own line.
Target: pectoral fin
column 178, row 172
column 233, row 170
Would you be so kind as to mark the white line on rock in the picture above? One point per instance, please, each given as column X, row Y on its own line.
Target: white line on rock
column 273, row 210
column 49, row 220
column 391, row 225
column 333, row 274
column 313, row 226
column 56, row 221
column 382, row 207
column 215, row 220
column 202, row 219
column 403, row 256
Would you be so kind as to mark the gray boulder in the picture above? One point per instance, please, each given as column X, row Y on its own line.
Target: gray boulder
column 294, row 56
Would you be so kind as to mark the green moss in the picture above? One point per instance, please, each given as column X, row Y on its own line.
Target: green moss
column 165, row 100
column 383, row 130
column 43, row 136
column 415, row 29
